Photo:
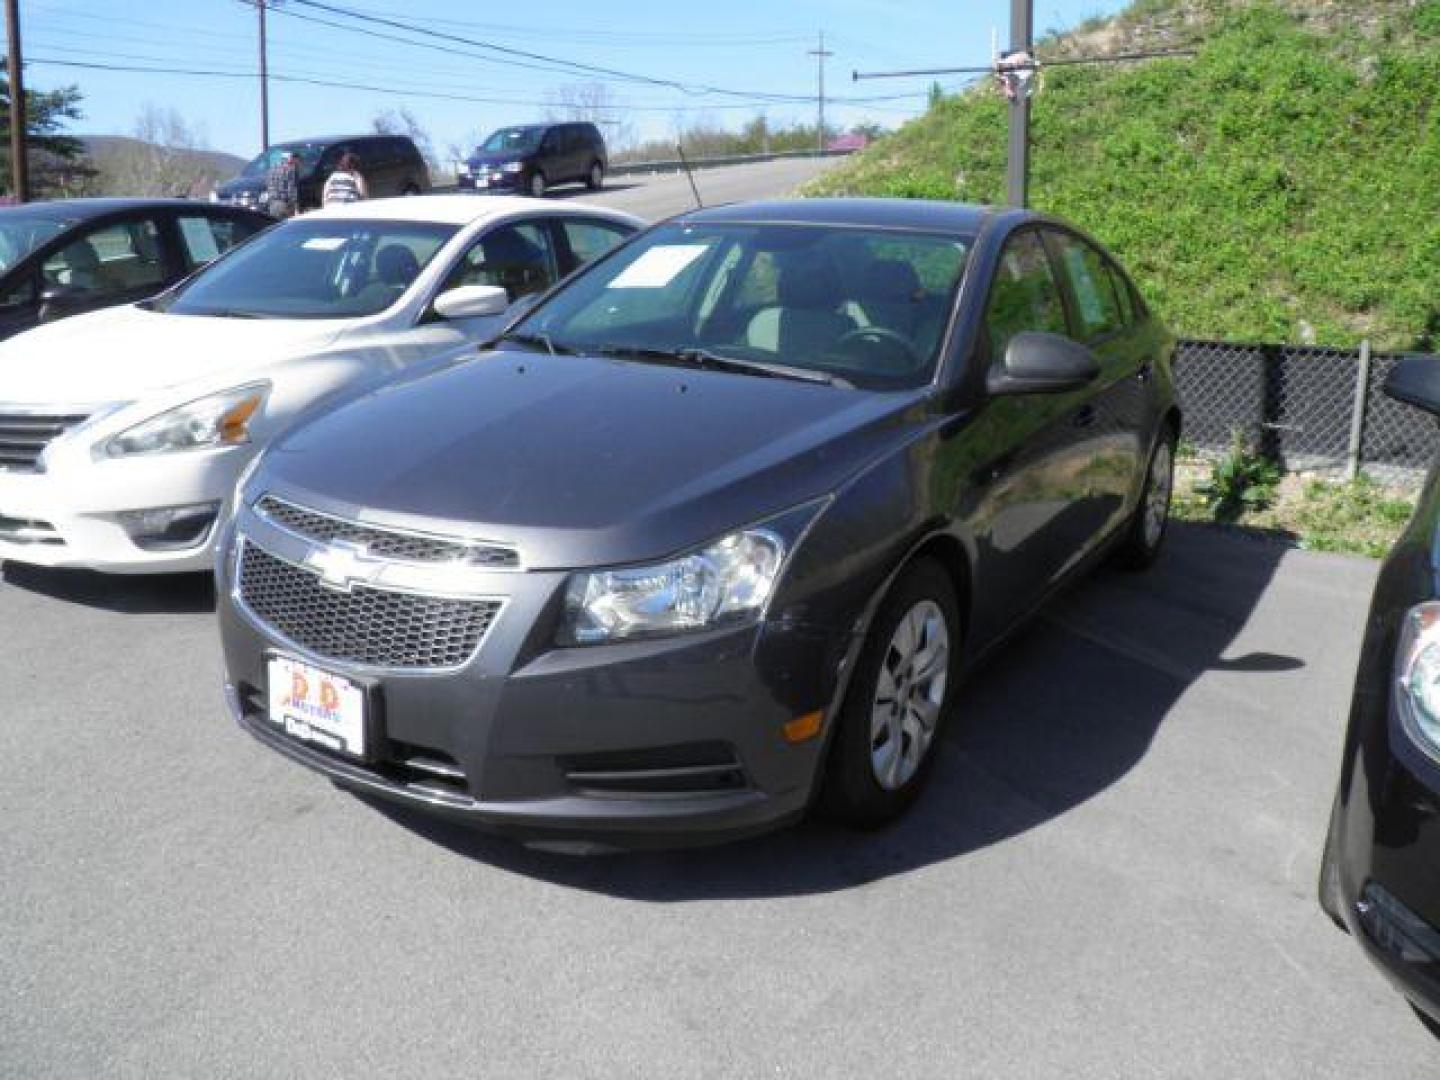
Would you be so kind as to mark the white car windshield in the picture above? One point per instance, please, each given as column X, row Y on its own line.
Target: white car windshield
column 313, row 269
column 22, row 232
column 864, row 306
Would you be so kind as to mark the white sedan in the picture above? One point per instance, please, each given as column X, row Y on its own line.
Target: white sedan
column 122, row 432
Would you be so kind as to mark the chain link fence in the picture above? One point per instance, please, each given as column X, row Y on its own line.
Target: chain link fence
column 1308, row 407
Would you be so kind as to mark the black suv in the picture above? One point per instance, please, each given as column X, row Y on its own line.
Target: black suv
column 391, row 165
column 535, row 157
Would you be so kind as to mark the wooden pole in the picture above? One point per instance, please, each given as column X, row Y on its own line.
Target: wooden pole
column 264, row 81
column 19, row 155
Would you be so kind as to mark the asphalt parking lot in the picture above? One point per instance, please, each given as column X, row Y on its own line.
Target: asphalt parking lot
column 1111, row 876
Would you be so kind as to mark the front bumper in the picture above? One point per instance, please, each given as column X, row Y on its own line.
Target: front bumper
column 491, row 181
column 659, row 743
column 72, row 517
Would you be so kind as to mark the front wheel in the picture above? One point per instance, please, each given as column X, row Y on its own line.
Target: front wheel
column 537, row 185
column 888, row 727
column 1146, row 531
column 595, row 180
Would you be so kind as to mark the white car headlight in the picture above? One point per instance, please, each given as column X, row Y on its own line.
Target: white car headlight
column 512, row 166
column 1417, row 671
column 727, row 582
column 221, row 419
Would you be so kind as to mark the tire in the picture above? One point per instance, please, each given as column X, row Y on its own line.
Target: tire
column 410, row 189
column 1146, row 532
column 537, row 185
column 1328, row 887
column 883, row 753
column 595, row 178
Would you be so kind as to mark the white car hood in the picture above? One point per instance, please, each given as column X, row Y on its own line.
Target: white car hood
column 127, row 353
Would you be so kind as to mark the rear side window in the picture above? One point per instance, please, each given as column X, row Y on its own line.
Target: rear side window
column 1024, row 296
column 1097, row 308
column 112, row 258
column 207, row 238
column 590, row 239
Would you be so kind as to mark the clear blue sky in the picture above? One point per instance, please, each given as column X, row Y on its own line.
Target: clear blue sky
column 754, row 47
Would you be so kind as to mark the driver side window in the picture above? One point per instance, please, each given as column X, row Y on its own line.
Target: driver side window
column 518, row 258
column 1024, row 295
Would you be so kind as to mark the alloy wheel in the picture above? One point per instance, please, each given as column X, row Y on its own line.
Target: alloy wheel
column 909, row 695
column 1157, row 493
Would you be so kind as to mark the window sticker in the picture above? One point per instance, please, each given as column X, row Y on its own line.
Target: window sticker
column 659, row 266
column 324, row 243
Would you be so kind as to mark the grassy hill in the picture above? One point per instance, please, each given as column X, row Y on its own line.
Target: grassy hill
column 1283, row 184
column 128, row 166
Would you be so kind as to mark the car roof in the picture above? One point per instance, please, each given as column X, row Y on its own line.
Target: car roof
column 336, row 139
column 921, row 214
column 461, row 209
column 84, row 209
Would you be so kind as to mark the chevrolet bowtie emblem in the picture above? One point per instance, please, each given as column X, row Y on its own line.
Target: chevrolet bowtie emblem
column 342, row 565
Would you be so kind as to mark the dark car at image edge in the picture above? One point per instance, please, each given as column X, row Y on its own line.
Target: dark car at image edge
column 712, row 533
column 1380, row 874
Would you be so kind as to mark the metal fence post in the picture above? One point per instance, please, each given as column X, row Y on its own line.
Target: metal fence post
column 1357, row 414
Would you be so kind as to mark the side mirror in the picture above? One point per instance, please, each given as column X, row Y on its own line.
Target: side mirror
column 472, row 302
column 1037, row 363
column 56, row 300
column 1415, row 380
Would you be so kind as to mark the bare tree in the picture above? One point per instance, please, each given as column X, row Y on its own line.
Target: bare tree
column 594, row 102
column 402, row 121
column 166, row 157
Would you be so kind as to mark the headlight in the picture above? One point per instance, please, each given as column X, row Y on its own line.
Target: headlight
column 512, row 166
column 218, row 420
column 1417, row 669
column 727, row 582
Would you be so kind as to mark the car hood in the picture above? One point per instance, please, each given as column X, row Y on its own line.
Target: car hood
column 241, row 183
column 584, row 461
column 126, row 353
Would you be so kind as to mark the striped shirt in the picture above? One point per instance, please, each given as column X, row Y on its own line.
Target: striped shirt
column 342, row 187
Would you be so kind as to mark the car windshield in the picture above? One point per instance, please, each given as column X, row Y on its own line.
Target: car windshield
column 314, row 269
column 309, row 155
column 21, row 233
column 515, row 139
column 868, row 307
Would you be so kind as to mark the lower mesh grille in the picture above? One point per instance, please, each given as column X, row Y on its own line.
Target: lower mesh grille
column 365, row 625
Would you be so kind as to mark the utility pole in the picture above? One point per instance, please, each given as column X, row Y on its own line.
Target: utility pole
column 1017, row 170
column 264, row 81
column 820, row 54
column 19, row 159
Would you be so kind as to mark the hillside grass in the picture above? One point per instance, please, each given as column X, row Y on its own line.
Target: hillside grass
column 1283, row 184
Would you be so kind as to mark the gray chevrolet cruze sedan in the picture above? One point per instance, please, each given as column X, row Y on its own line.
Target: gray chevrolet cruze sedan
column 712, row 532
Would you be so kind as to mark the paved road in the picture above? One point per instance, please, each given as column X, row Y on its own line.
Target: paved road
column 1111, row 876
column 660, row 195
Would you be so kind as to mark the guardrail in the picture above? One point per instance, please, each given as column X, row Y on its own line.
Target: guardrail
column 676, row 165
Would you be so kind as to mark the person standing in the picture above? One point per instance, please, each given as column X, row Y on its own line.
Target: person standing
column 282, row 190
column 346, row 184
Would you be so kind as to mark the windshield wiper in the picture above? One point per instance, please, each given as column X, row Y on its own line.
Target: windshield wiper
column 541, row 340
column 693, row 356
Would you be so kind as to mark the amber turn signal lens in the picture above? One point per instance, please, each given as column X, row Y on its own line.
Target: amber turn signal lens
column 233, row 423
column 805, row 727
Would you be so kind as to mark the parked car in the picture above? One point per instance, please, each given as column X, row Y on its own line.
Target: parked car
column 1378, row 875
column 391, row 165
column 536, row 157
column 713, row 532
column 122, row 431
column 61, row 258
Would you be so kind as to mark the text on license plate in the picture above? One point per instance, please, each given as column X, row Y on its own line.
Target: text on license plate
column 317, row 706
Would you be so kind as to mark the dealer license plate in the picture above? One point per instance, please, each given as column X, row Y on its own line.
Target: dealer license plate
column 317, row 706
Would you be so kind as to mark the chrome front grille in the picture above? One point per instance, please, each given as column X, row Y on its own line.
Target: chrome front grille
column 24, row 437
column 366, row 625
column 385, row 543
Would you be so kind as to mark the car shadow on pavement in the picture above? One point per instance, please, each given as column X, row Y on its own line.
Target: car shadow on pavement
column 1058, row 715
column 179, row 594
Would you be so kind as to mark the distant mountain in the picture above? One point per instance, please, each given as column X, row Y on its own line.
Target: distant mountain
column 134, row 167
